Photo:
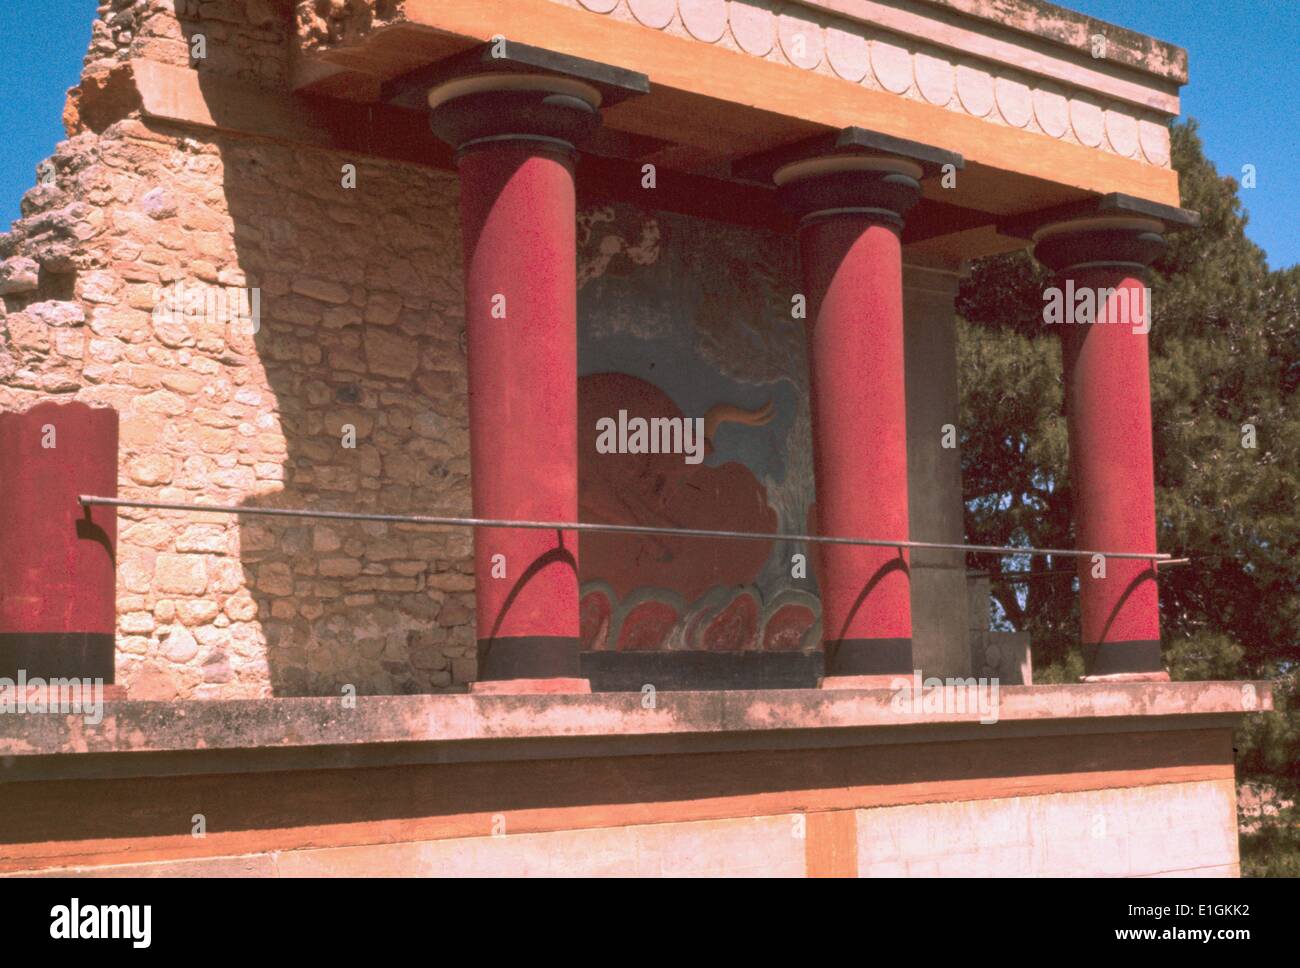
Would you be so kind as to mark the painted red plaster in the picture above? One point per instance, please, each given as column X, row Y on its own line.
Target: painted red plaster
column 56, row 559
column 1108, row 412
column 647, row 627
column 787, row 627
column 853, row 273
column 519, row 236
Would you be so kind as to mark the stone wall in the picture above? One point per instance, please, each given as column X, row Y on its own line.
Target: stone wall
column 244, row 39
column 359, row 342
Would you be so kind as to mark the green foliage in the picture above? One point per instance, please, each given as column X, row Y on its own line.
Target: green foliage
column 1267, row 744
column 1225, row 358
column 1273, row 848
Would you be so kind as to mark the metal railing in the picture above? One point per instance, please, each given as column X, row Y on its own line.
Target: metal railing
column 87, row 500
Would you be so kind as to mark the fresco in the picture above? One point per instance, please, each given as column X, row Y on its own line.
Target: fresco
column 682, row 318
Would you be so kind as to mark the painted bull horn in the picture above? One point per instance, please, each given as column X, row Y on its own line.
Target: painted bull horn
column 721, row 413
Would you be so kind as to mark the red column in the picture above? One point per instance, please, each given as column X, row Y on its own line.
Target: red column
column 1108, row 415
column 853, row 274
column 515, row 138
column 849, row 243
column 518, row 230
column 57, row 574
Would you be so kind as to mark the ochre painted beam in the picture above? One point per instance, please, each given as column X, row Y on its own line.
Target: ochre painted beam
column 726, row 83
column 182, row 96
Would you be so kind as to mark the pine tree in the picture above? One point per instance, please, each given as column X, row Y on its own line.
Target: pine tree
column 1225, row 365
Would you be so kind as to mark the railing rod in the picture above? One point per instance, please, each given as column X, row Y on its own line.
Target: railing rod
column 1013, row 577
column 87, row 500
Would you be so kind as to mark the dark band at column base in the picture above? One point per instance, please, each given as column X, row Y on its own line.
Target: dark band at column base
column 691, row 671
column 869, row 657
column 528, row 657
column 62, row 655
column 1129, row 657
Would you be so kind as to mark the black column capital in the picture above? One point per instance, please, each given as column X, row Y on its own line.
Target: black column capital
column 506, row 91
column 484, row 110
column 852, row 171
column 1100, row 243
column 1107, row 230
column 882, row 189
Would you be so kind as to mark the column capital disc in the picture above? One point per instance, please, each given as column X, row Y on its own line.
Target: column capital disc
column 808, row 168
column 1101, row 241
column 1098, row 223
column 878, row 187
column 505, row 83
column 480, row 110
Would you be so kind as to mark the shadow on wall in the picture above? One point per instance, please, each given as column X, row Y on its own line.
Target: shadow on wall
column 357, row 370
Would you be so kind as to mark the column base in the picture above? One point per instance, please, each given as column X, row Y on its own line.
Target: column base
column 514, row 657
column 884, row 681
column 1133, row 660
column 58, row 655
column 869, row 658
column 529, row 687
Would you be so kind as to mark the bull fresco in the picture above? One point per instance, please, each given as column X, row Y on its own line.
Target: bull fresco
column 681, row 320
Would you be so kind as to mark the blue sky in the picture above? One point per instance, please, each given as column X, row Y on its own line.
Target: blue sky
column 1244, row 66
column 1244, row 75
column 42, row 43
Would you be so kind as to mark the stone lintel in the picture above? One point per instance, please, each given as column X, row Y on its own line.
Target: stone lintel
column 1114, row 204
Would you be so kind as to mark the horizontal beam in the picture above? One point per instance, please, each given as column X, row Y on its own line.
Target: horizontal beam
column 725, row 86
column 181, row 96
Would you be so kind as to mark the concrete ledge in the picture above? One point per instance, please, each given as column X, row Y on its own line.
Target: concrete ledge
column 189, row 726
column 710, row 783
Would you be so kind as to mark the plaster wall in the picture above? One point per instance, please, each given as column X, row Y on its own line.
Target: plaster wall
column 1171, row 830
